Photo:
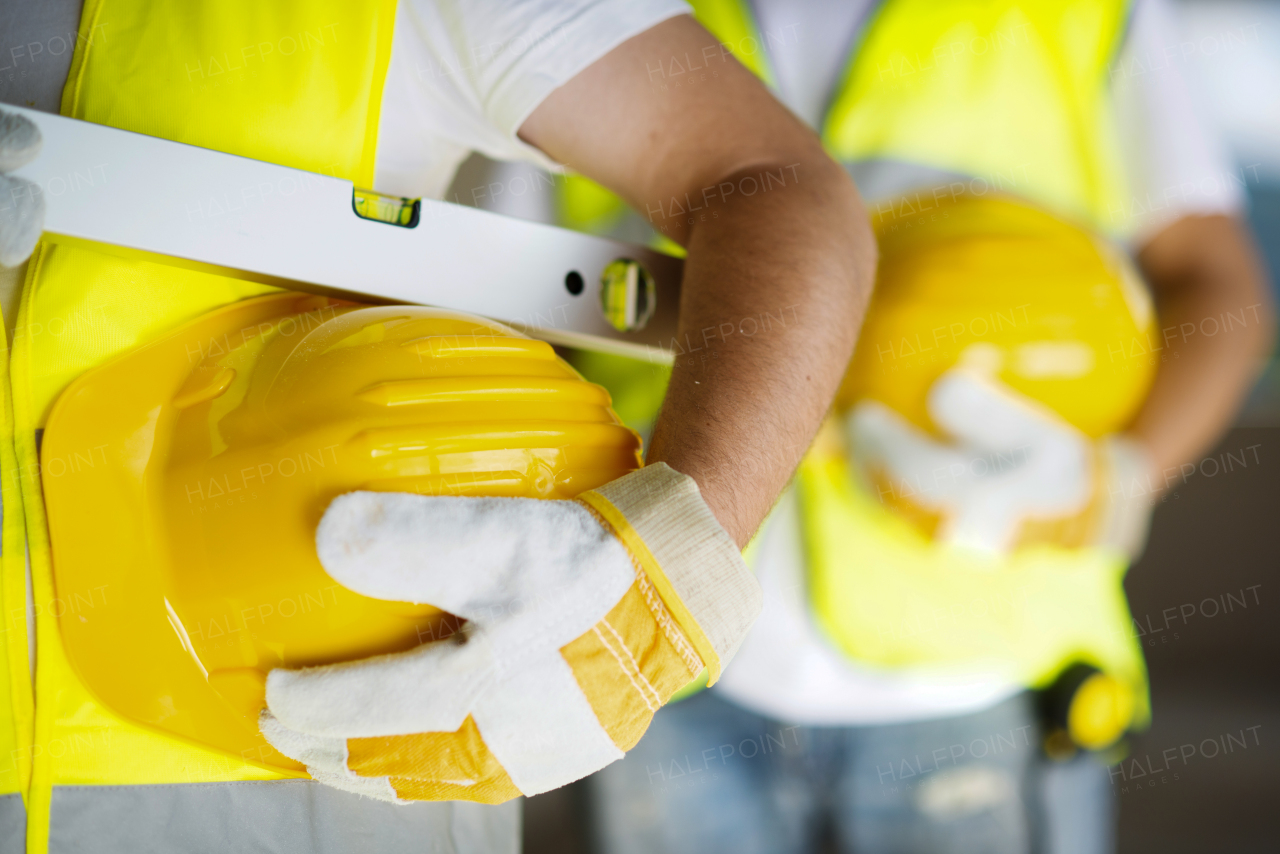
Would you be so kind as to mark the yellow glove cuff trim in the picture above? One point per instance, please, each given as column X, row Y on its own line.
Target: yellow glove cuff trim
column 624, row 531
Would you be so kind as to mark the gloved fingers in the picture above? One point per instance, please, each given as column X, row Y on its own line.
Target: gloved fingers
column 20, row 141
column 379, row 788
column 1014, row 460
column 563, row 714
column 484, row 559
column 913, row 460
column 21, row 202
column 878, row 433
column 1055, row 479
column 21, row 219
column 431, row 688
column 325, row 758
column 986, row 414
column 320, row 751
column 536, row 720
column 541, row 727
column 989, row 519
column 429, row 766
column 435, row 766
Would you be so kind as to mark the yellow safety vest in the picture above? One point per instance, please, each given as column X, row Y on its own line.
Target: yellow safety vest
column 298, row 84
column 1012, row 94
column 15, row 678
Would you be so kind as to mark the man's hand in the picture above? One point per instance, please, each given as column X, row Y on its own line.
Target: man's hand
column 21, row 203
column 781, row 257
column 583, row 618
column 1013, row 473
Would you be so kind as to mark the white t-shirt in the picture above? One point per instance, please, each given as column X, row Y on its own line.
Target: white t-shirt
column 1177, row 167
column 465, row 74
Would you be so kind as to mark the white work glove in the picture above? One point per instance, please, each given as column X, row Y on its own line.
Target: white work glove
column 584, row 617
column 1015, row 467
column 21, row 202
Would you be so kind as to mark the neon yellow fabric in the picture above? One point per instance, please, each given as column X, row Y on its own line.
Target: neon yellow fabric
column 16, row 701
column 584, row 205
column 731, row 22
column 887, row 596
column 1015, row 93
column 297, row 84
column 101, row 306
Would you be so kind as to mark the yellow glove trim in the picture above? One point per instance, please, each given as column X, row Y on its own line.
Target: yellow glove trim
column 622, row 529
column 435, row 766
column 628, row 665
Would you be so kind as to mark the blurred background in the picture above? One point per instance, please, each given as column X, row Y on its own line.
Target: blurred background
column 1217, row 535
column 1214, row 664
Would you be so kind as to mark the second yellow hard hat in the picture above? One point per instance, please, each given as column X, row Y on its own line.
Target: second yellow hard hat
column 1054, row 312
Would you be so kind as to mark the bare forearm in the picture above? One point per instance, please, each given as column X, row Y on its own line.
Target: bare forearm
column 1216, row 322
column 780, row 260
column 774, row 290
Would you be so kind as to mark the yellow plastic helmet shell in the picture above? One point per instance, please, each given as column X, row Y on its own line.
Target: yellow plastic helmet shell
column 1003, row 287
column 203, row 461
column 1053, row 311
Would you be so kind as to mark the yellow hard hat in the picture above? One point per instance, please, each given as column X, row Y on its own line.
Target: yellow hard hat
column 201, row 463
column 1051, row 311
column 1056, row 313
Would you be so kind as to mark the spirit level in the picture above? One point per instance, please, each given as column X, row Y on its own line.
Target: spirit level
column 141, row 195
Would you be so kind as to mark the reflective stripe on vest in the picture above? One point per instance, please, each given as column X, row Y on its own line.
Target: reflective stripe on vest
column 289, row 817
column 297, row 84
column 13, row 824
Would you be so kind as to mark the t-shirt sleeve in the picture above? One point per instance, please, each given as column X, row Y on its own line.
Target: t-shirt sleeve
column 1177, row 163
column 465, row 74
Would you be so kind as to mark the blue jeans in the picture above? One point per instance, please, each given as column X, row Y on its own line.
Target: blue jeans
column 710, row 776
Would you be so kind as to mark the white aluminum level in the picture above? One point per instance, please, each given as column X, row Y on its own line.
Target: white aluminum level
column 233, row 216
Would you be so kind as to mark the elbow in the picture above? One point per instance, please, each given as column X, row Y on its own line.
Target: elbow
column 820, row 198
